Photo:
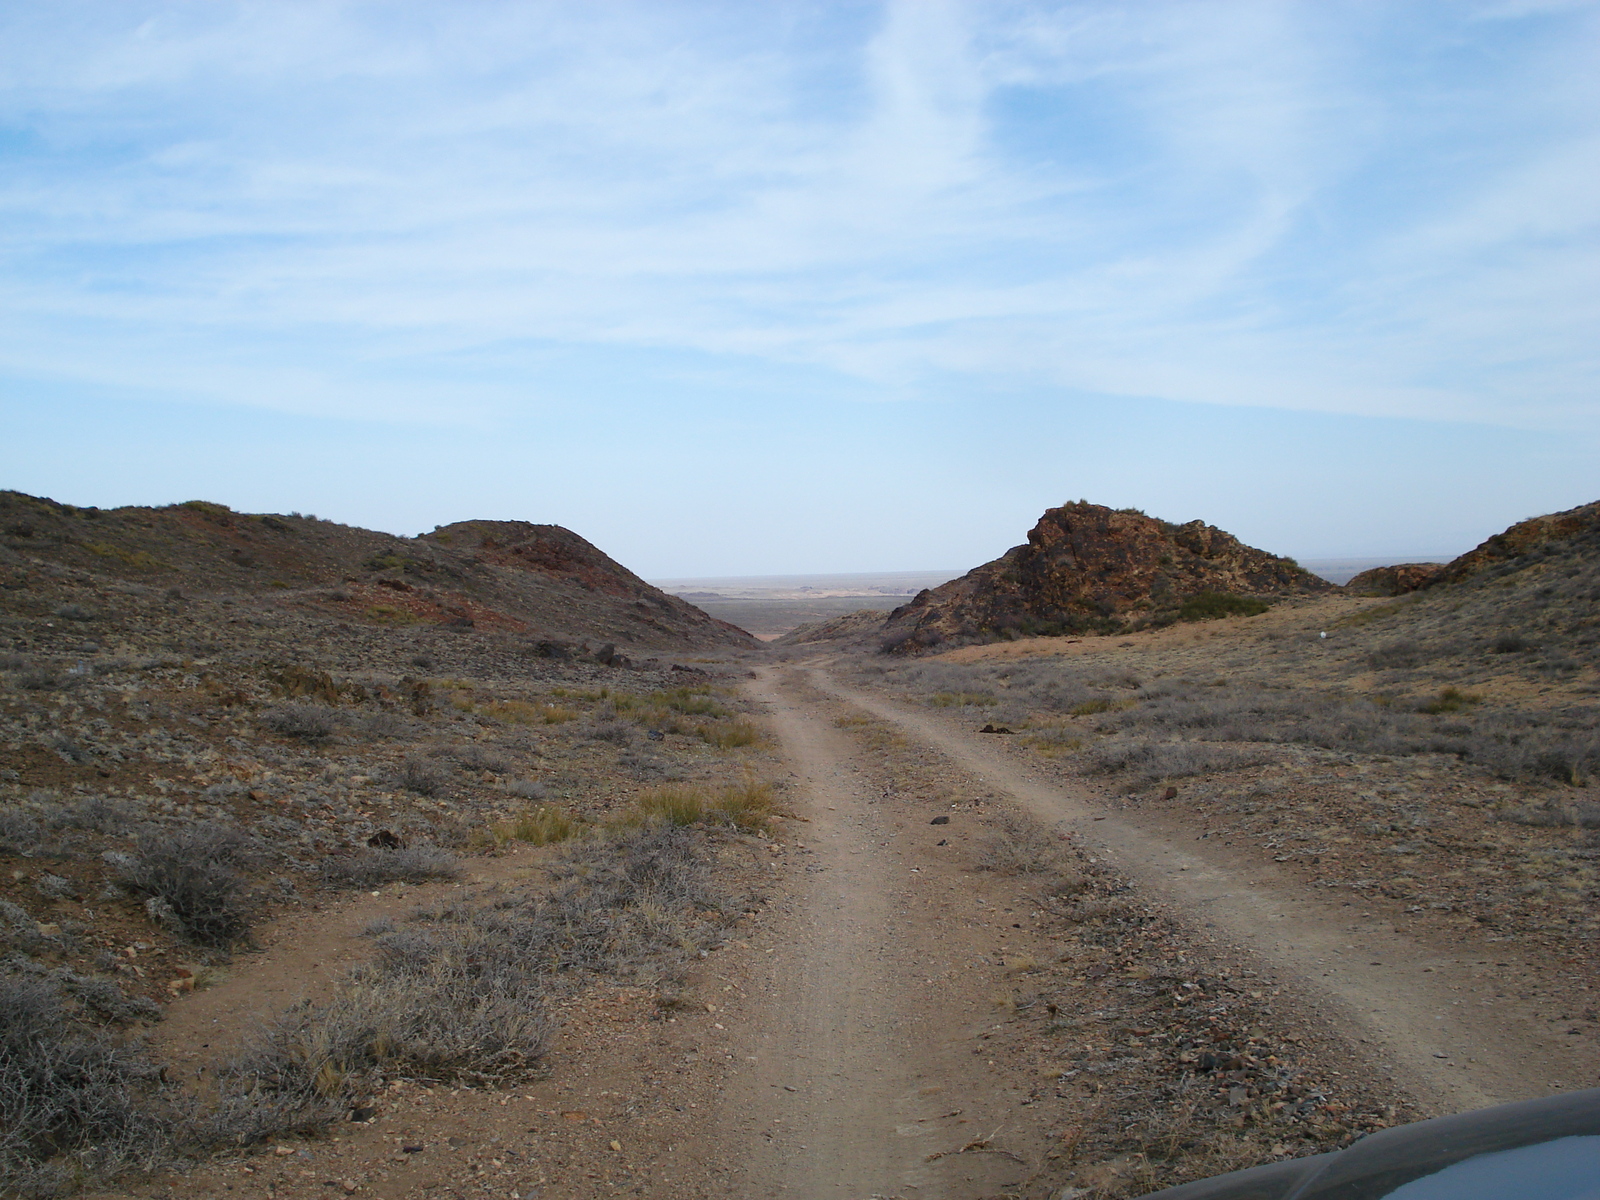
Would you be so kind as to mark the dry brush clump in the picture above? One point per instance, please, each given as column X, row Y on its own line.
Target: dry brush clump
column 421, row 776
column 1020, row 846
column 301, row 721
column 445, row 1004
column 76, row 1105
column 746, row 806
column 460, row 993
column 378, row 865
column 1146, row 762
column 190, row 878
column 542, row 826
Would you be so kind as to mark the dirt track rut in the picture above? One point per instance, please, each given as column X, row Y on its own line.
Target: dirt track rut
column 857, row 1067
column 1451, row 1044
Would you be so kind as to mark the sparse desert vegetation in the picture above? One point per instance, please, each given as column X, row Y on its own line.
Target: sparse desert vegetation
column 546, row 846
column 228, row 752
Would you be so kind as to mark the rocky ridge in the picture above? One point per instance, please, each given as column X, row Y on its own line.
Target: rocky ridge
column 512, row 577
column 1087, row 568
column 1394, row 580
column 1521, row 545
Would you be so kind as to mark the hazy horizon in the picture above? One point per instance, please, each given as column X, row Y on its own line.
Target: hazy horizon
column 738, row 586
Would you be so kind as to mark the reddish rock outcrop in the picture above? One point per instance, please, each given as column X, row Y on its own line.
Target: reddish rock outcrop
column 1091, row 569
column 1553, row 533
column 1523, row 539
column 1396, row 580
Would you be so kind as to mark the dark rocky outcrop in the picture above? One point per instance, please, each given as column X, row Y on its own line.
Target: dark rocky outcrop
column 1091, row 569
column 1394, row 581
column 1526, row 542
column 1521, row 545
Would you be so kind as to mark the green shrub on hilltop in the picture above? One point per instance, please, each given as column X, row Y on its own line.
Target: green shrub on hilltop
column 207, row 508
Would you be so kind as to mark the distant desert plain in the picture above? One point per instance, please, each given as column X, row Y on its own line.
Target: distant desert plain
column 769, row 606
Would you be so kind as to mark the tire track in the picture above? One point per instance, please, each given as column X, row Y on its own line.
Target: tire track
column 1445, row 1044
column 844, row 1079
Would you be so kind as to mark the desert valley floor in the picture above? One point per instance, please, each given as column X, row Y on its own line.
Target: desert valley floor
column 341, row 888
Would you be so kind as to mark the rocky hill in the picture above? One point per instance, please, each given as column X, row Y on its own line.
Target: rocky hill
column 1394, row 580
column 221, row 732
column 1091, row 569
column 1554, row 535
column 1520, row 606
column 1527, row 542
column 537, row 583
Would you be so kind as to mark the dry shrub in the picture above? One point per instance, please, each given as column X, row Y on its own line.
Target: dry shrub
column 305, row 722
column 609, row 729
column 20, row 832
column 74, row 1105
column 377, row 866
column 1094, row 707
column 378, row 725
column 633, row 902
column 961, row 700
column 728, row 735
column 43, row 679
column 746, row 806
column 420, row 776
column 526, row 789
column 1053, row 741
column 1396, row 655
column 543, row 826
column 98, row 813
column 521, row 712
column 477, row 758
column 1021, row 847
column 190, row 879
column 1151, row 762
column 447, row 1005
column 1585, row 814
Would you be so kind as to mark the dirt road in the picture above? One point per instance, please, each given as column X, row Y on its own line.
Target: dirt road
column 1433, row 1018
column 860, row 1044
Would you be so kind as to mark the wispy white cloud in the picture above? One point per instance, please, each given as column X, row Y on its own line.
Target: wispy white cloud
column 1206, row 202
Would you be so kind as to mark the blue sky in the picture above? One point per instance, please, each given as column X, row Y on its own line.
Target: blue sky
column 736, row 288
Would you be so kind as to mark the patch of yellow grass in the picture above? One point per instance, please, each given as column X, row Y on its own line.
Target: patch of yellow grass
column 521, row 712
column 961, row 699
column 542, row 826
column 1091, row 708
column 388, row 614
column 747, row 806
column 731, row 734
